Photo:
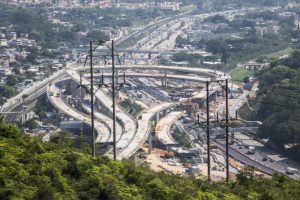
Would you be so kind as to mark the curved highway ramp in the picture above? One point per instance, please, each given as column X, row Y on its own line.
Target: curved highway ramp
column 55, row 98
column 162, row 129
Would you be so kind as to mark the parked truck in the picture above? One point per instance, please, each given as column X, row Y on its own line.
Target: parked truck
column 251, row 150
column 290, row 170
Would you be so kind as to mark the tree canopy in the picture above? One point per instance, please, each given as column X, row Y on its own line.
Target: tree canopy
column 280, row 108
column 31, row 169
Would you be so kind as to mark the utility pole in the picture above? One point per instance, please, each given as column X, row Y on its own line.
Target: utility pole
column 227, row 131
column 207, row 131
column 113, row 85
column 113, row 88
column 92, row 99
column 218, row 121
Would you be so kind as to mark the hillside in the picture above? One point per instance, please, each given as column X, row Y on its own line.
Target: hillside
column 277, row 104
column 31, row 169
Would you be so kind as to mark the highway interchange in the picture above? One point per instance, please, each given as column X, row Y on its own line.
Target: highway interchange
column 133, row 132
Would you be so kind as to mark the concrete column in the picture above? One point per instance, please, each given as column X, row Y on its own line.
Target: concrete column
column 24, row 117
column 124, row 58
column 157, row 119
column 117, row 76
column 215, row 97
column 164, row 112
column 150, row 143
column 232, row 138
column 166, row 81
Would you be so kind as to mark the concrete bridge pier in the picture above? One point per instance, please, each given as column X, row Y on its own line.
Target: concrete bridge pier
column 232, row 138
column 24, row 115
column 165, row 112
column 156, row 118
column 150, row 143
column 166, row 80
column 215, row 97
column 117, row 77
column 123, row 58
column 104, row 110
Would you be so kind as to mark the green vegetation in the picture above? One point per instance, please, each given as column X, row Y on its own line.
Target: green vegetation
column 96, row 22
column 36, row 25
column 211, row 5
column 280, row 111
column 31, row 124
column 182, row 138
column 132, row 108
column 131, row 41
column 187, row 8
column 95, row 18
column 31, row 169
column 279, row 54
column 239, row 73
column 247, row 45
column 6, row 92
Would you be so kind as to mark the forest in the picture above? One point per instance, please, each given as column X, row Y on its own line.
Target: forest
column 64, row 169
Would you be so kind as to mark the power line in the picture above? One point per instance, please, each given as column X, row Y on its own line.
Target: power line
column 265, row 102
column 270, row 85
column 288, row 96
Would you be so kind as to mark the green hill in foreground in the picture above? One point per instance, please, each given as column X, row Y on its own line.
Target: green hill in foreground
column 31, row 169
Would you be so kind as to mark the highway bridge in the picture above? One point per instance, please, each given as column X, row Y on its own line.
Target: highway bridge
column 128, row 123
column 162, row 129
column 157, row 76
column 54, row 95
column 180, row 69
column 144, row 128
column 106, row 120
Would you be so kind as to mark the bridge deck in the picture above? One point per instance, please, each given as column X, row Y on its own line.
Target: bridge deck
column 55, row 98
column 162, row 130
